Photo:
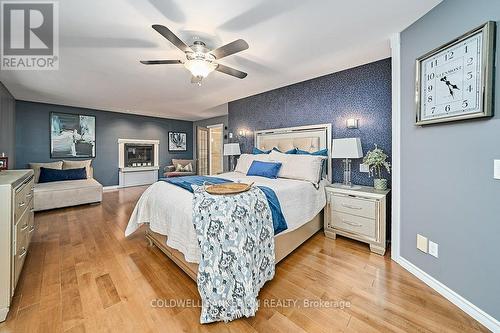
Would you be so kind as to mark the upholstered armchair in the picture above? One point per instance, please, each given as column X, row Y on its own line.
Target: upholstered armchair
column 170, row 170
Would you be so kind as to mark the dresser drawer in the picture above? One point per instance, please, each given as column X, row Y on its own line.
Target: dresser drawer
column 354, row 224
column 18, row 265
column 353, row 205
column 31, row 228
column 23, row 197
column 21, row 237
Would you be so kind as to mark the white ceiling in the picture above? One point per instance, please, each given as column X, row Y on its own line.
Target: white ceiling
column 101, row 43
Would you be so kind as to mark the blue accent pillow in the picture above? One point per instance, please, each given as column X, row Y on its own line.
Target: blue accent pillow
column 322, row 152
column 291, row 151
column 55, row 175
column 264, row 169
column 257, row 151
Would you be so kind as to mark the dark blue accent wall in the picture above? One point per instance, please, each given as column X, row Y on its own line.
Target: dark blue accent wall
column 33, row 136
column 362, row 92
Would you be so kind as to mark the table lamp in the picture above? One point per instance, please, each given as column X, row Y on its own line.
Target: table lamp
column 231, row 150
column 346, row 149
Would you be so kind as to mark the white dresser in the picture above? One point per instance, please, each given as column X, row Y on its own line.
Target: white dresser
column 358, row 214
column 17, row 225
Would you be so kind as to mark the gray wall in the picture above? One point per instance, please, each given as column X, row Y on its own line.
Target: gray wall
column 208, row 122
column 363, row 92
column 33, row 136
column 447, row 188
column 7, row 124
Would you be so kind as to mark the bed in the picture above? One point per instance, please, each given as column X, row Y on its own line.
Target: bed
column 168, row 209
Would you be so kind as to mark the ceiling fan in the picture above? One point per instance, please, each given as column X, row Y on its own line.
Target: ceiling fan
column 200, row 61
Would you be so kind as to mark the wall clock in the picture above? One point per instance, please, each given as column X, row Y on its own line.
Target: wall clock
column 455, row 81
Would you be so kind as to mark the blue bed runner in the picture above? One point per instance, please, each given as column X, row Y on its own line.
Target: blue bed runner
column 186, row 183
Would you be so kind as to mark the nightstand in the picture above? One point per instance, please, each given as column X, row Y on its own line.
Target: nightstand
column 358, row 213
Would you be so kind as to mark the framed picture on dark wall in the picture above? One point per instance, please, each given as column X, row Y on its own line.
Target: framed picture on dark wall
column 4, row 163
column 455, row 81
column 177, row 141
column 71, row 135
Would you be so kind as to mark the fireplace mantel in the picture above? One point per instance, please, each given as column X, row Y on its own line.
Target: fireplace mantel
column 121, row 153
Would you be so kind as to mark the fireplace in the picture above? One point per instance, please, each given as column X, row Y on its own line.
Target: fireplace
column 138, row 155
column 138, row 162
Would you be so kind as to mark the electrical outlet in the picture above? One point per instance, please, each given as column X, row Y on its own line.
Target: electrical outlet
column 422, row 243
column 433, row 249
column 363, row 168
column 496, row 172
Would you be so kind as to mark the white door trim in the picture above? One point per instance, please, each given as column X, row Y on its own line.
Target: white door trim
column 396, row 145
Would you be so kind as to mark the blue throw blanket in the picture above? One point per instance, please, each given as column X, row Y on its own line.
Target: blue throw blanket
column 187, row 182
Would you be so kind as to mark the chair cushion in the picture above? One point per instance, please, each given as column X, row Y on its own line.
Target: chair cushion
column 179, row 174
column 184, row 163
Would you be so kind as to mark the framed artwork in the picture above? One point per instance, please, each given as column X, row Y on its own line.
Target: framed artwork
column 4, row 163
column 177, row 141
column 455, row 81
column 71, row 135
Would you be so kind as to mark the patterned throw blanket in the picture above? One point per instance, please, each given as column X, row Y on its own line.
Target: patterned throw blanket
column 188, row 183
column 235, row 234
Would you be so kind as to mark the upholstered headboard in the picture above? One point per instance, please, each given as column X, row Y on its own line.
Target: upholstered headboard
column 309, row 138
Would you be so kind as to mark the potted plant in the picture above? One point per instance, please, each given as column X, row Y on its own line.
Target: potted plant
column 376, row 160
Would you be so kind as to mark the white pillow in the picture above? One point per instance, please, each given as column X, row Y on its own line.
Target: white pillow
column 300, row 167
column 245, row 161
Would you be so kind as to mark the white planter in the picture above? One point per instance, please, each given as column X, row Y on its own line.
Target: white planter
column 380, row 184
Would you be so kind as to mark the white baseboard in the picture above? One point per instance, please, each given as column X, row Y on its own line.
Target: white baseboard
column 3, row 313
column 110, row 188
column 469, row 308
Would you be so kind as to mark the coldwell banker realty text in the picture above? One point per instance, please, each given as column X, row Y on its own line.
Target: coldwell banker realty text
column 30, row 35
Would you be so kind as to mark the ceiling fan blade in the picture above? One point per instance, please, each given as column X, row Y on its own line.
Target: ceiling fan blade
column 231, row 71
column 165, row 32
column 231, row 48
column 160, row 62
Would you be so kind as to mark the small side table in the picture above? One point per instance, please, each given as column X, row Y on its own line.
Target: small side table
column 358, row 213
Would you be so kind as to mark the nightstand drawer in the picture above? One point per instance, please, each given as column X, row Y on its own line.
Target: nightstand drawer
column 355, row 206
column 355, row 224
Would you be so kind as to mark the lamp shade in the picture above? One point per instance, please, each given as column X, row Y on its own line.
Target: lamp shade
column 347, row 148
column 231, row 149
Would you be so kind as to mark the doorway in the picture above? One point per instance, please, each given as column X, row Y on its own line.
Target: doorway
column 216, row 157
column 210, row 145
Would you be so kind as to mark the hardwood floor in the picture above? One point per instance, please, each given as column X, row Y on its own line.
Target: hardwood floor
column 82, row 275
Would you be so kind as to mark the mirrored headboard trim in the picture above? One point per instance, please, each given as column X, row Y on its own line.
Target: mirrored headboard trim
column 317, row 135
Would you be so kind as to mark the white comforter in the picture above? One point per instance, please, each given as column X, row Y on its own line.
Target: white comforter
column 168, row 209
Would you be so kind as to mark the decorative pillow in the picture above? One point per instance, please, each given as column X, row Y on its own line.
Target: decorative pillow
column 291, row 151
column 68, row 165
column 257, row 151
column 264, row 169
column 52, row 165
column 322, row 152
column 187, row 168
column 300, row 167
column 245, row 160
column 55, row 175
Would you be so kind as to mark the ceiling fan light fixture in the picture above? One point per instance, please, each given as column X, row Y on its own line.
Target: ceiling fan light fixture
column 199, row 67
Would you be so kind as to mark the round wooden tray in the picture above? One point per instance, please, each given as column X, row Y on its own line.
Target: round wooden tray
column 227, row 188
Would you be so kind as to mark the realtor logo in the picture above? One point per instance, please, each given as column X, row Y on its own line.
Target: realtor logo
column 29, row 37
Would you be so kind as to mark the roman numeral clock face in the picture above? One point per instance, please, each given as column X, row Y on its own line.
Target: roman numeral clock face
column 451, row 80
